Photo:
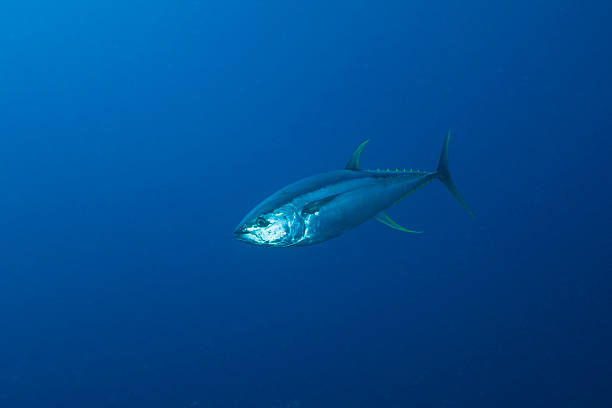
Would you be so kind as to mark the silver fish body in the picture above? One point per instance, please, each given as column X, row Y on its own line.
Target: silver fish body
column 326, row 205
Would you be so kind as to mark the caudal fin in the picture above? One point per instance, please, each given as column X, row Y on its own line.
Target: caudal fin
column 445, row 177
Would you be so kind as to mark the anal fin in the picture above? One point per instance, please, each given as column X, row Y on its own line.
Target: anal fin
column 383, row 218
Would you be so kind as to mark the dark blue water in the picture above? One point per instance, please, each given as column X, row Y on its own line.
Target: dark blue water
column 134, row 136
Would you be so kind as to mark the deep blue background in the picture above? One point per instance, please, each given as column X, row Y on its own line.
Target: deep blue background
column 134, row 135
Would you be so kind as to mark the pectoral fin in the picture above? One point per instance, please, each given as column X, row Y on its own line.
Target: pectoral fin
column 315, row 206
column 385, row 219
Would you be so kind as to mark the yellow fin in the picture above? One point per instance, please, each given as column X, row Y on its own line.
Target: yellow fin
column 383, row 218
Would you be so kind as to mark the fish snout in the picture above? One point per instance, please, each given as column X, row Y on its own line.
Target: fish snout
column 240, row 230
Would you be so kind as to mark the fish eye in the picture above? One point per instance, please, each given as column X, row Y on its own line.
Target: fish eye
column 261, row 222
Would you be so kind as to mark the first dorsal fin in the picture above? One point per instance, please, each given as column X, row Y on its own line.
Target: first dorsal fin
column 353, row 163
column 385, row 219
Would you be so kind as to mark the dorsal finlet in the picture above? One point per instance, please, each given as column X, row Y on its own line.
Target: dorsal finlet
column 353, row 163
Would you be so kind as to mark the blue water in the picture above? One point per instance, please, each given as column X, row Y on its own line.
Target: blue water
column 135, row 135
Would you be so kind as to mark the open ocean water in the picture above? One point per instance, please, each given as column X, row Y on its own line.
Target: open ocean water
column 135, row 135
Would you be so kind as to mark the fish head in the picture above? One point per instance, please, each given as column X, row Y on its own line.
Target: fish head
column 279, row 227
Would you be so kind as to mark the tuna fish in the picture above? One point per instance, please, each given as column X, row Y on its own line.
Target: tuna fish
column 326, row 205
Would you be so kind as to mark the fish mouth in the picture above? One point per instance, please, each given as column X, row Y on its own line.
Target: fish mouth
column 241, row 230
column 241, row 233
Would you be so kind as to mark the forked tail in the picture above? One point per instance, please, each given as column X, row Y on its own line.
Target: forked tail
column 445, row 177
